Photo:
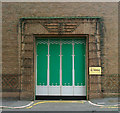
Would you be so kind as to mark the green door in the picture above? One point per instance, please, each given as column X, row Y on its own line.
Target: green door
column 66, row 63
column 79, row 64
column 42, row 51
column 54, row 65
column 60, row 67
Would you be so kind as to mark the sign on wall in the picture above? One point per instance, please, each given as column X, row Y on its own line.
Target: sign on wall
column 95, row 70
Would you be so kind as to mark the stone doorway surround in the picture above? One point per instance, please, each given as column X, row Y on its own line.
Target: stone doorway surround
column 34, row 27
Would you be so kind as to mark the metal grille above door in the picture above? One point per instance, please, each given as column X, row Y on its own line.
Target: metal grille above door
column 60, row 67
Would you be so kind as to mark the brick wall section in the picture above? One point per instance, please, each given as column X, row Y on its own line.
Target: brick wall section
column 12, row 12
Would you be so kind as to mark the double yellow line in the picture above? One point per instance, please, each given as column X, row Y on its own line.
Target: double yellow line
column 41, row 102
column 110, row 107
column 55, row 102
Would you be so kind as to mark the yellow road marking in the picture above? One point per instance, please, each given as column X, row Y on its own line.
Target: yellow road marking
column 67, row 102
column 55, row 102
column 109, row 107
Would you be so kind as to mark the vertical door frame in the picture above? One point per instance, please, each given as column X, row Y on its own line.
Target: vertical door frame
column 86, row 36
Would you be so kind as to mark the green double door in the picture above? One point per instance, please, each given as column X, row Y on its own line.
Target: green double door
column 60, row 67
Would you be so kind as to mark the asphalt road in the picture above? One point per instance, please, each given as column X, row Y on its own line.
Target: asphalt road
column 64, row 105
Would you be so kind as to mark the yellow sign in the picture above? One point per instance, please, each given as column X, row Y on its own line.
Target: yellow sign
column 95, row 70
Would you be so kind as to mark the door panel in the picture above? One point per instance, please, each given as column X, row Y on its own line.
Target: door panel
column 54, row 65
column 54, row 84
column 79, row 90
column 67, row 91
column 67, row 64
column 79, row 64
column 42, row 51
column 54, row 90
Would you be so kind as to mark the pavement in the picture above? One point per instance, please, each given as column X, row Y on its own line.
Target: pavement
column 105, row 104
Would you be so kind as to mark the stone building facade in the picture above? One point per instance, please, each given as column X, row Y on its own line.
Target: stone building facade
column 22, row 23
